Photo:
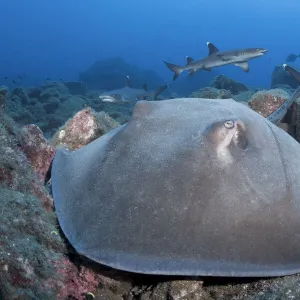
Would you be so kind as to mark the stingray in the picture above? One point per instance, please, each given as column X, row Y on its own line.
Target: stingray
column 130, row 94
column 187, row 187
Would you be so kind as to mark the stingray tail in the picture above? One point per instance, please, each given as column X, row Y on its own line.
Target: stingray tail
column 160, row 90
column 177, row 70
column 293, row 72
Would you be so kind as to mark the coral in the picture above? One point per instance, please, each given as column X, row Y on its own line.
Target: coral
column 3, row 98
column 15, row 171
column 266, row 102
column 51, row 105
column 73, row 281
column 32, row 260
column 211, row 93
column 28, row 249
column 18, row 112
column 53, row 89
column 83, row 128
column 34, row 92
column 225, row 83
column 21, row 94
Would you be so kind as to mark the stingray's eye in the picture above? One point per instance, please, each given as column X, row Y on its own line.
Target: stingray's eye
column 229, row 124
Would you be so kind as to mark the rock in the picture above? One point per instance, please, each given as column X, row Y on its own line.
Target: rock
column 243, row 96
column 76, row 87
column 21, row 94
column 37, row 150
column 51, row 105
column 3, row 98
column 109, row 74
column 225, row 83
column 266, row 102
column 280, row 76
column 53, row 89
column 34, row 92
column 211, row 93
column 82, row 129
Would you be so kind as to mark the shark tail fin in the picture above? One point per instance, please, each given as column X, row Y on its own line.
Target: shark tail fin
column 177, row 70
column 159, row 90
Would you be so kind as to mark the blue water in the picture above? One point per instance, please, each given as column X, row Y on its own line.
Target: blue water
column 60, row 38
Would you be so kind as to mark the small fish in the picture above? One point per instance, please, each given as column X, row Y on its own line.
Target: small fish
column 14, row 82
column 20, row 77
column 216, row 58
column 5, row 77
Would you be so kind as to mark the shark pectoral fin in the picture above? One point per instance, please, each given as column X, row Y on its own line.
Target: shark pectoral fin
column 212, row 49
column 189, row 60
column 192, row 72
column 244, row 65
column 207, row 69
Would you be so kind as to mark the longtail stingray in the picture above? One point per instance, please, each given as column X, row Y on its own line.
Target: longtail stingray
column 187, row 187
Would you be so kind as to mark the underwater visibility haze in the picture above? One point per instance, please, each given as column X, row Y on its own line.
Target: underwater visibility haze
column 142, row 142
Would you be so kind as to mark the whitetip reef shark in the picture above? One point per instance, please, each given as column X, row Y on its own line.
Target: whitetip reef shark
column 216, row 58
column 130, row 94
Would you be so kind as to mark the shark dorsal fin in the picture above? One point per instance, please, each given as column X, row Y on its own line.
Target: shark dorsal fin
column 145, row 87
column 212, row 49
column 128, row 82
column 189, row 60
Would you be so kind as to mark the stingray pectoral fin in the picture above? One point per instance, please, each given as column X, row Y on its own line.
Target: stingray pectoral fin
column 69, row 176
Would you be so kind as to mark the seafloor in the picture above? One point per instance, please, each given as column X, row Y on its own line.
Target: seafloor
column 36, row 262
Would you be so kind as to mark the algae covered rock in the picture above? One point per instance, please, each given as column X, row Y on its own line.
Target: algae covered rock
column 225, row 83
column 83, row 128
column 211, row 93
column 267, row 101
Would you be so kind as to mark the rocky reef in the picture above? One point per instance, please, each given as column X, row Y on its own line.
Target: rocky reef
column 225, row 83
column 110, row 74
column 282, row 78
column 50, row 105
column 36, row 261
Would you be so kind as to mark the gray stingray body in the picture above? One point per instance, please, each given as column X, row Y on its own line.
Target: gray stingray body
column 186, row 187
